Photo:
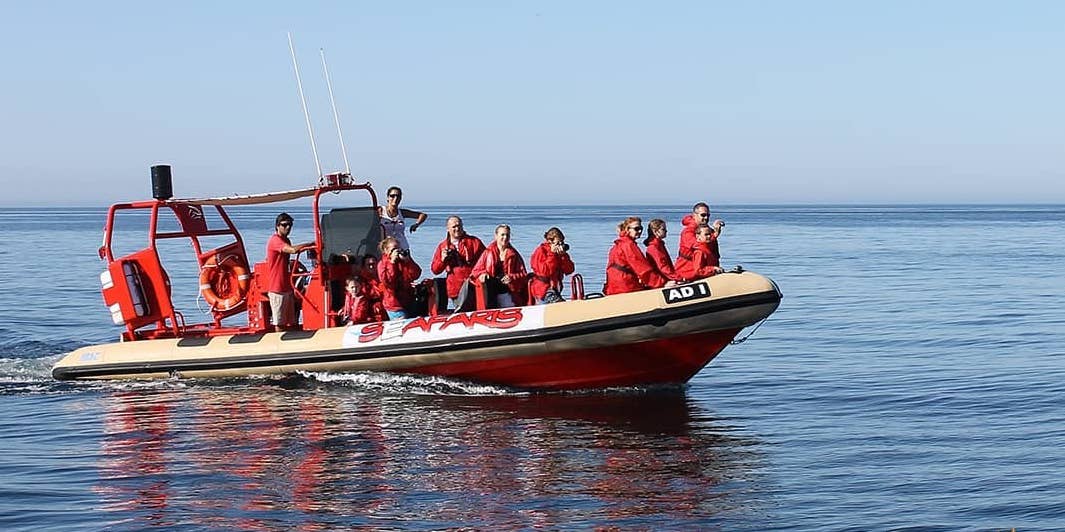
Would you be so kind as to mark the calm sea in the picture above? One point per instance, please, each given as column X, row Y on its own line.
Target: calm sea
column 914, row 376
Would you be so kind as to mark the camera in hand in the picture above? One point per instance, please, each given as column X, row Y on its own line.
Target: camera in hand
column 565, row 246
column 404, row 253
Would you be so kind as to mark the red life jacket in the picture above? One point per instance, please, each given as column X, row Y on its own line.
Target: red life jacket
column 702, row 262
column 514, row 266
column 396, row 279
column 548, row 269
column 459, row 263
column 659, row 258
column 628, row 270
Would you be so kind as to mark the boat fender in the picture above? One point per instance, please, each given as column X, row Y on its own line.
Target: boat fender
column 223, row 283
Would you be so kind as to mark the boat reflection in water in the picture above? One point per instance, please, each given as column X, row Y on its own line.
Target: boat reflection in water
column 317, row 456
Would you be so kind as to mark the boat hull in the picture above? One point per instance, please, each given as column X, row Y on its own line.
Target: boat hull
column 645, row 338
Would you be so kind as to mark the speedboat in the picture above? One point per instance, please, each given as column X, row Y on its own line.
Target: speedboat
column 651, row 337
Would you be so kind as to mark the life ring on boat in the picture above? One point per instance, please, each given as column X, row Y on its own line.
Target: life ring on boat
column 223, row 283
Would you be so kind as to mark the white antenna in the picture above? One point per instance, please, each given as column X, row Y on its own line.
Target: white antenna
column 336, row 117
column 310, row 131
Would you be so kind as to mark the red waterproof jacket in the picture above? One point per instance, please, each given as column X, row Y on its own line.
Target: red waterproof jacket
column 687, row 241
column 459, row 263
column 628, row 270
column 396, row 279
column 548, row 269
column 659, row 258
column 372, row 292
column 687, row 236
column 359, row 308
column 514, row 266
column 702, row 263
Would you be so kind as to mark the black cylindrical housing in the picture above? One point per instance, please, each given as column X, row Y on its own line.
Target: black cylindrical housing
column 162, row 184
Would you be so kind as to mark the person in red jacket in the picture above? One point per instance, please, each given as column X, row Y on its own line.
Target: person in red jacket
column 501, row 262
column 704, row 261
column 656, row 250
column 700, row 215
column 368, row 274
column 627, row 268
column 456, row 255
column 358, row 305
column 397, row 272
column 550, row 262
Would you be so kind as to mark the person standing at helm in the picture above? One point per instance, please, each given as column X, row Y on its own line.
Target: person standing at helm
column 550, row 262
column 501, row 263
column 656, row 252
column 392, row 218
column 704, row 261
column 278, row 274
column 456, row 255
column 627, row 268
column 700, row 215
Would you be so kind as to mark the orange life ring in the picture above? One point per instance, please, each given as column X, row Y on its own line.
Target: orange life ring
column 223, row 283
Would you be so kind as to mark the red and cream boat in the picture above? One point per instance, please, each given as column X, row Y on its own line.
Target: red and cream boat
column 661, row 336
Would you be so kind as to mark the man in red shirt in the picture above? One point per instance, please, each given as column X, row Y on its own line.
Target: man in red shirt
column 278, row 277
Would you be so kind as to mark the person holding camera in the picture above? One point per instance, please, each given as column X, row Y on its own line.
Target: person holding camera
column 456, row 255
column 503, row 266
column 704, row 261
column 656, row 252
column 550, row 263
column 700, row 215
column 397, row 272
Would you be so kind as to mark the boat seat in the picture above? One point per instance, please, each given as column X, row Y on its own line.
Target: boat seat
column 467, row 298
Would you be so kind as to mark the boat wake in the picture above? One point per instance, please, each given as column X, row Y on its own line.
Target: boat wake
column 411, row 384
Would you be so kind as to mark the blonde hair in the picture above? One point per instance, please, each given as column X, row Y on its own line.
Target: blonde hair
column 627, row 221
column 384, row 243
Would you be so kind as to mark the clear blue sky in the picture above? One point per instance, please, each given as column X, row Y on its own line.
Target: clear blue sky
column 541, row 102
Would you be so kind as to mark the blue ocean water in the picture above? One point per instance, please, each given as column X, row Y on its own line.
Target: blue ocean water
column 914, row 376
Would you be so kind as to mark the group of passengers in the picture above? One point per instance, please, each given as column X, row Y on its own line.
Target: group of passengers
column 383, row 289
column 628, row 269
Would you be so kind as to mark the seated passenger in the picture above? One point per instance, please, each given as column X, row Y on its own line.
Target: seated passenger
column 368, row 274
column 397, row 272
column 700, row 215
column 703, row 261
column 627, row 268
column 456, row 255
column 656, row 252
column 503, row 266
column 358, row 305
column 550, row 262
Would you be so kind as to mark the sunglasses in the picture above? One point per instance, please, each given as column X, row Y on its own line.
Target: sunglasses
column 395, row 195
column 285, row 224
column 704, row 215
column 637, row 228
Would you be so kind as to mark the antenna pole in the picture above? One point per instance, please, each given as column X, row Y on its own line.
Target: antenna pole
column 299, row 84
column 336, row 117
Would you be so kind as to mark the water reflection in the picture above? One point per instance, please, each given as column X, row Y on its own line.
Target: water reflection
column 320, row 457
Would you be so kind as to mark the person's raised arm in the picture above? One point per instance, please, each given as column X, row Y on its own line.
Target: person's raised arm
column 410, row 213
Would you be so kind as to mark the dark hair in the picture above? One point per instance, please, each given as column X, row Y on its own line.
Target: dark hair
column 366, row 257
column 700, row 204
column 554, row 232
column 653, row 226
column 397, row 189
column 283, row 217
